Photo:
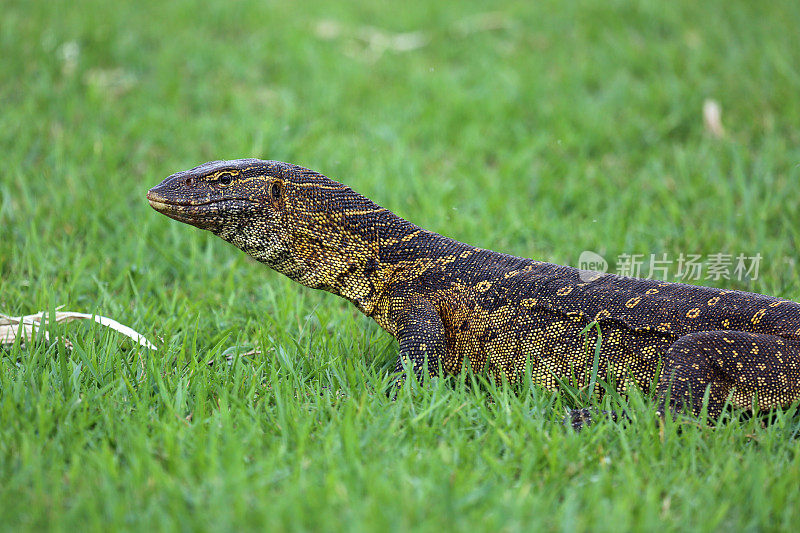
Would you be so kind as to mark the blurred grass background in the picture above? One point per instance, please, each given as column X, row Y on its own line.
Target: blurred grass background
column 538, row 129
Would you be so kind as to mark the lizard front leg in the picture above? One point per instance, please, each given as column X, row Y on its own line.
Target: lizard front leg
column 422, row 342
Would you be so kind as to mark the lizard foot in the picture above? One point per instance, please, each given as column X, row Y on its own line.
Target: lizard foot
column 577, row 419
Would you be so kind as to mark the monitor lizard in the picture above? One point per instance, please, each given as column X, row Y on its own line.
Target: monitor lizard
column 447, row 302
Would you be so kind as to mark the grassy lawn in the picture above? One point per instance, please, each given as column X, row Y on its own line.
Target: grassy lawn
column 538, row 129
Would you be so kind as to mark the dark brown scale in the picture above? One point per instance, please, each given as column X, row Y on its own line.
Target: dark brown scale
column 445, row 301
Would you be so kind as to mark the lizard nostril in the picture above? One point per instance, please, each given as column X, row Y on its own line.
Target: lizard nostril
column 189, row 182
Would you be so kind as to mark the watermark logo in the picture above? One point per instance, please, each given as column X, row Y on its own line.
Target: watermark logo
column 591, row 266
column 684, row 267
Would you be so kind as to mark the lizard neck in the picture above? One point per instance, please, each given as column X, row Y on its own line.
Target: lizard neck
column 353, row 254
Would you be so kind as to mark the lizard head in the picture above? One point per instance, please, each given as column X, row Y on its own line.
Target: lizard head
column 215, row 194
column 311, row 228
column 242, row 201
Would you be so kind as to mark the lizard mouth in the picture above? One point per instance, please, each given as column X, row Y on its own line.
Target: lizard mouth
column 160, row 203
column 161, row 207
column 196, row 214
column 204, row 215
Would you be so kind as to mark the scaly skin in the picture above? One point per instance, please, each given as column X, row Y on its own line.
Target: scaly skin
column 446, row 301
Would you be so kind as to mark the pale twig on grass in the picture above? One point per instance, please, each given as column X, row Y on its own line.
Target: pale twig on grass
column 369, row 42
column 481, row 22
column 27, row 325
column 712, row 118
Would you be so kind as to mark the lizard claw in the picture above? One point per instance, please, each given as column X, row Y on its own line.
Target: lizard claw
column 577, row 419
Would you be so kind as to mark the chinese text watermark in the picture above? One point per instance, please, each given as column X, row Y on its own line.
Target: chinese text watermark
column 666, row 267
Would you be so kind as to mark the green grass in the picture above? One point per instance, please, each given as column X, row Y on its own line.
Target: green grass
column 541, row 129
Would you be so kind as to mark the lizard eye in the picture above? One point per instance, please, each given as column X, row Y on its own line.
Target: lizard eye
column 275, row 191
column 225, row 179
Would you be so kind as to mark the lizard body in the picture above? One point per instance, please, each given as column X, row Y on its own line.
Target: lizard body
column 446, row 301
